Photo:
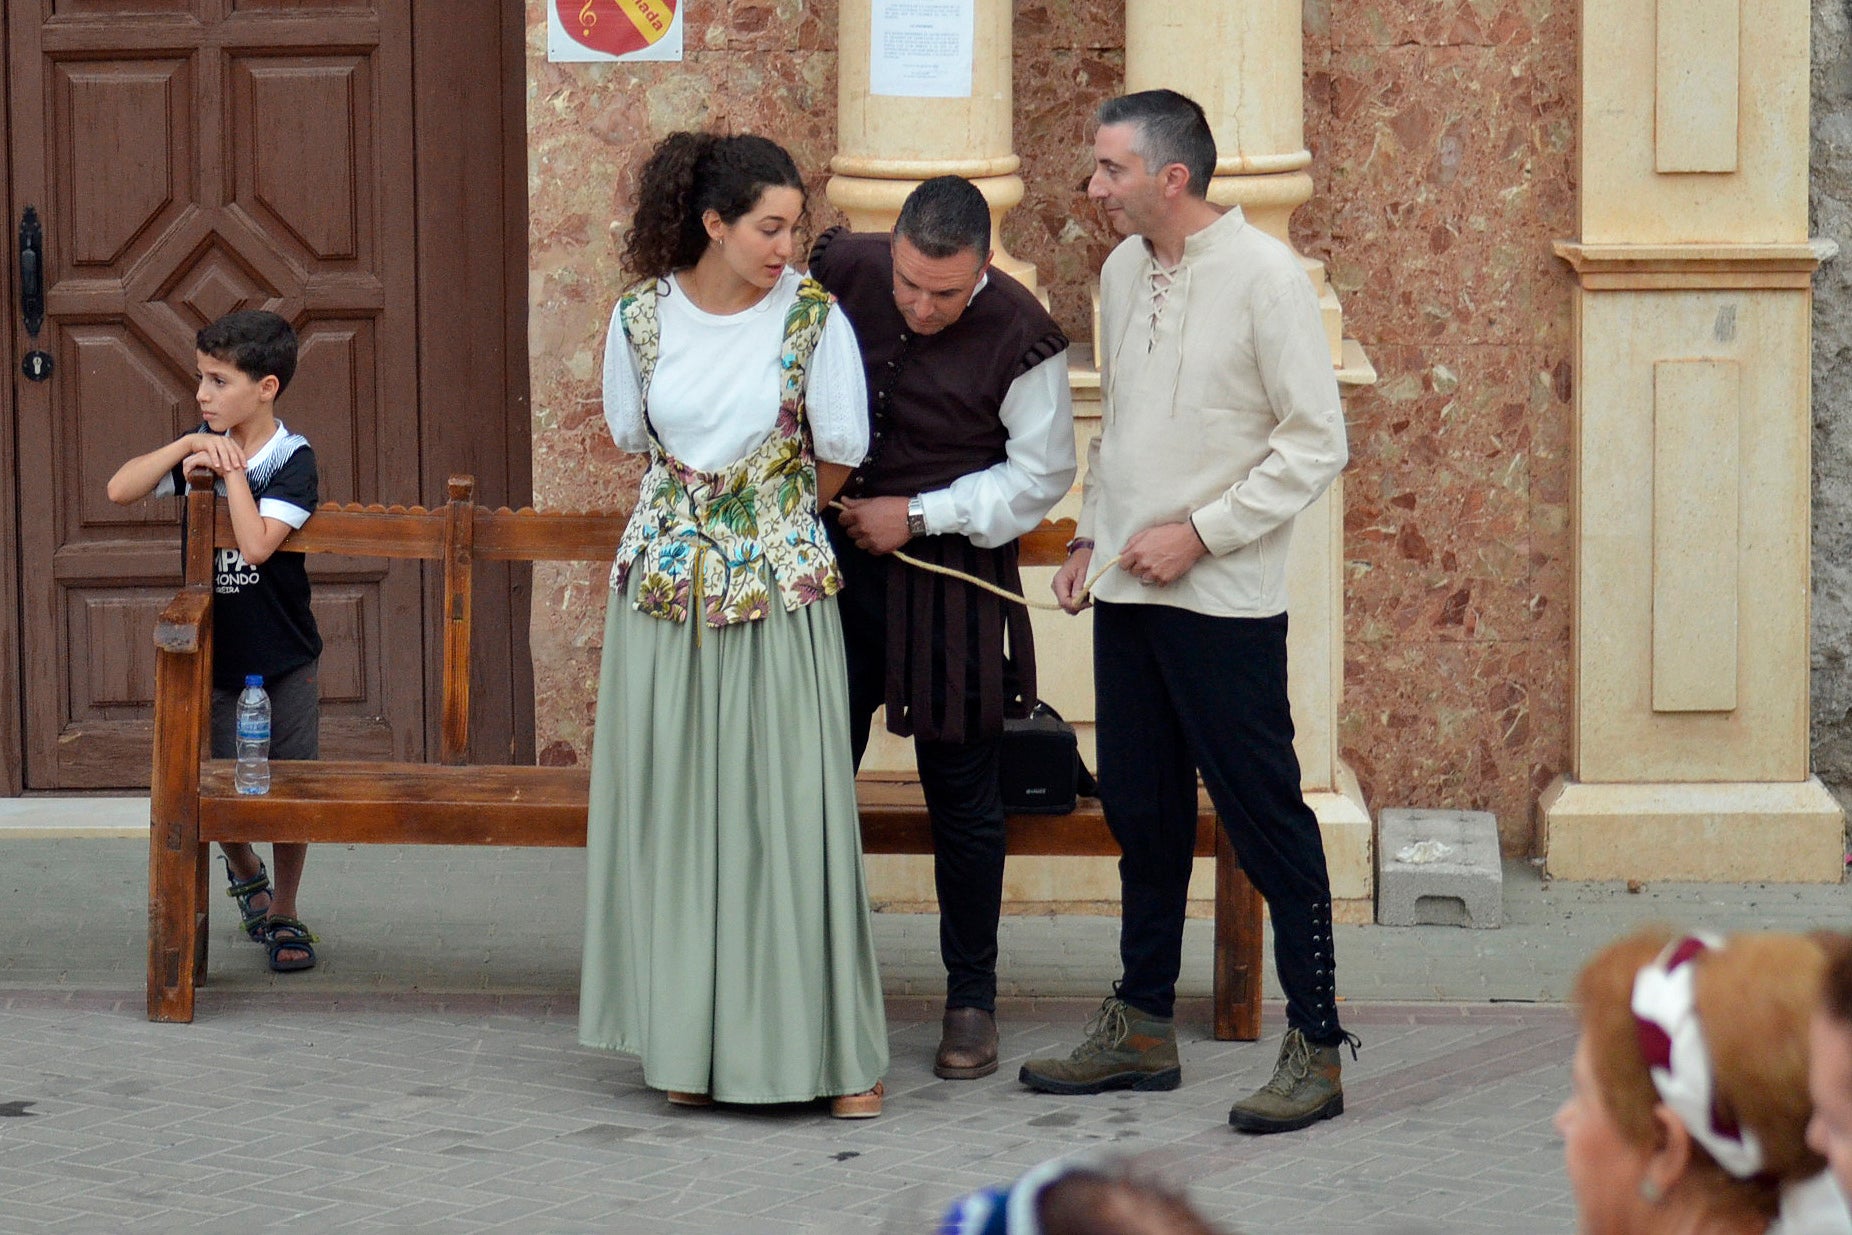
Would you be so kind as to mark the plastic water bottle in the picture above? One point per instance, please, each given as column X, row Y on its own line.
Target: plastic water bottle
column 252, row 772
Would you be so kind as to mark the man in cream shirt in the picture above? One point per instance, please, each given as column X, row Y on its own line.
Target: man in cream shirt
column 1221, row 422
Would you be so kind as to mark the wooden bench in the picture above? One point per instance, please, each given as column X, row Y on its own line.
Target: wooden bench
column 451, row 803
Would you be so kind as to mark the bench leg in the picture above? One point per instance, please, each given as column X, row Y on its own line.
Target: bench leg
column 202, row 918
column 176, row 860
column 1237, row 947
column 176, row 938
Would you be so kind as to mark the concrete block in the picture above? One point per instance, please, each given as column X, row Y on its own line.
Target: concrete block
column 1463, row 888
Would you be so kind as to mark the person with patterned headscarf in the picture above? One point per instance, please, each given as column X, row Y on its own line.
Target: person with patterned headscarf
column 1688, row 1107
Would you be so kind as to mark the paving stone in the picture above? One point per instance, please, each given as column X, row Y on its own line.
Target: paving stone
column 406, row 1086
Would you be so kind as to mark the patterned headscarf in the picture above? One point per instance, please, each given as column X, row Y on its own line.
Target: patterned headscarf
column 1665, row 1016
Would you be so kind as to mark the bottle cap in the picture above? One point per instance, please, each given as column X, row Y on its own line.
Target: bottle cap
column 254, row 679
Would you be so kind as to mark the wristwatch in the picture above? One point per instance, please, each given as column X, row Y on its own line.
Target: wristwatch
column 916, row 515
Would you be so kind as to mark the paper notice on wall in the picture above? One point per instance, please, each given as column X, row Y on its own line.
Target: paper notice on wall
column 614, row 29
column 921, row 48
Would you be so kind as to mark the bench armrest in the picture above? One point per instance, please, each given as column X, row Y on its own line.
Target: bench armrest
column 181, row 627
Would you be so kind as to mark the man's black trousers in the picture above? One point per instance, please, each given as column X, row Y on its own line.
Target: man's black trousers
column 959, row 781
column 1180, row 691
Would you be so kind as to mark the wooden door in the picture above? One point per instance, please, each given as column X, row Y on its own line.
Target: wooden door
column 189, row 157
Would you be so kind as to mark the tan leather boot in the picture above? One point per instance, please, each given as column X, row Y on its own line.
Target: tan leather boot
column 1307, row 1086
column 1125, row 1049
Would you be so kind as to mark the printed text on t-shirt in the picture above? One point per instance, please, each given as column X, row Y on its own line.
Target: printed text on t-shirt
column 232, row 573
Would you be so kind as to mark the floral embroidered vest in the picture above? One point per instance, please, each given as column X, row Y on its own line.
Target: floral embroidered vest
column 720, row 541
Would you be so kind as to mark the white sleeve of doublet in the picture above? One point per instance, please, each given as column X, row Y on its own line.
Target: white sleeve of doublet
column 623, row 394
column 1000, row 503
column 836, row 394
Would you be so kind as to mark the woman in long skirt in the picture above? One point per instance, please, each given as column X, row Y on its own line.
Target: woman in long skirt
column 727, row 937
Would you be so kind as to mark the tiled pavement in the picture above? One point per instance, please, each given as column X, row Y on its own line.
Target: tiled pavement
column 427, row 1077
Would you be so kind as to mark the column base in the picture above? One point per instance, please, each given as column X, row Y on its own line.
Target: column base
column 1350, row 847
column 1754, row 832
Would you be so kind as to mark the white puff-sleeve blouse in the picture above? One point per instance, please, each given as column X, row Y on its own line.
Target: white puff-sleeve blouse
column 715, row 392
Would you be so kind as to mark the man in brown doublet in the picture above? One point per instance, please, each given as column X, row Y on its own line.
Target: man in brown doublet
column 971, row 444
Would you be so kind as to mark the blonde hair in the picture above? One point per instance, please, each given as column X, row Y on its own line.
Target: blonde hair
column 1754, row 998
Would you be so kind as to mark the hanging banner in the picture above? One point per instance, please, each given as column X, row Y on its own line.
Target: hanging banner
column 921, row 48
column 614, row 29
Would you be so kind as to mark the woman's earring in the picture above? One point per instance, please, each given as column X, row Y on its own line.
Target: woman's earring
column 721, row 241
column 1649, row 1190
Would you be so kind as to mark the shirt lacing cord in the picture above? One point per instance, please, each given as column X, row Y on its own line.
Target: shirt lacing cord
column 1162, row 280
column 1161, row 283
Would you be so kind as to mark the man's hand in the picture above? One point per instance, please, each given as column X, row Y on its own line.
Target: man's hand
column 1162, row 554
column 1071, row 578
column 876, row 524
column 221, row 454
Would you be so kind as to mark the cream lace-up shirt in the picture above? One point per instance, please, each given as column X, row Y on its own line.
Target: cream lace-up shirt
column 1221, row 407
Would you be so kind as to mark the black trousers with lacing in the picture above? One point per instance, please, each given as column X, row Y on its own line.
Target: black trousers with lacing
column 1181, row 692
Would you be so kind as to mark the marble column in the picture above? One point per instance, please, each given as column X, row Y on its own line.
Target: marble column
column 889, row 143
column 1692, row 509
column 1244, row 64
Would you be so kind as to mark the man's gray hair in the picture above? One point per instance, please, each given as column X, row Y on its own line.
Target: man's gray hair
column 1171, row 128
column 945, row 216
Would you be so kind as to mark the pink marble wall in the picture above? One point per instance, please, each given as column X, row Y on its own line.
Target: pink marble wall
column 1442, row 133
column 750, row 65
column 1443, row 136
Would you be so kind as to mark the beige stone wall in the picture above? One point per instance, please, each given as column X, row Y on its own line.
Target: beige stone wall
column 1443, row 139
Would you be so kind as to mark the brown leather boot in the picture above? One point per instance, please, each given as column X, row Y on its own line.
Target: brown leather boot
column 967, row 1045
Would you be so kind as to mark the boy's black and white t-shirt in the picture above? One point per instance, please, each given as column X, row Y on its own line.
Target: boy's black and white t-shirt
column 261, row 621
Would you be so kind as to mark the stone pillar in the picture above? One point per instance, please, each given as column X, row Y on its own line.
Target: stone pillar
column 1244, row 64
column 1693, row 344
column 889, row 144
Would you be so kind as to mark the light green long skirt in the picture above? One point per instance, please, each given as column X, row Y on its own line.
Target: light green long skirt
column 727, row 940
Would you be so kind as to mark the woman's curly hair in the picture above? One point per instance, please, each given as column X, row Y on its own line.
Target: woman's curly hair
column 685, row 176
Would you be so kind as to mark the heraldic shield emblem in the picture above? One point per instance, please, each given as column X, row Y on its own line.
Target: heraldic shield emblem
column 616, row 27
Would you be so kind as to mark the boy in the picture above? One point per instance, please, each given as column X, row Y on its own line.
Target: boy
column 261, row 620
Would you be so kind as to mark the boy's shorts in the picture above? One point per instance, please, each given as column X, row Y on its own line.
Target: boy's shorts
column 295, row 716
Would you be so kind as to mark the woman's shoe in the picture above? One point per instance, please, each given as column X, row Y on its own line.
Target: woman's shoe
column 244, row 891
column 864, row 1105
column 679, row 1097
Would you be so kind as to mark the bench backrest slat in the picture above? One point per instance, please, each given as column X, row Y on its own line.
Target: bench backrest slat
column 528, row 535
column 357, row 532
column 459, row 534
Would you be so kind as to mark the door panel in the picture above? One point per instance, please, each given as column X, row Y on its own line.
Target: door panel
column 190, row 158
column 304, row 128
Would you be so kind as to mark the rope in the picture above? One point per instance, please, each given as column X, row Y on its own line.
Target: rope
column 1085, row 592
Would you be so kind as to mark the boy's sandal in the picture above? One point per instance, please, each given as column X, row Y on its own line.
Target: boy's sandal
column 288, row 935
column 244, row 891
column 864, row 1105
